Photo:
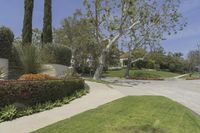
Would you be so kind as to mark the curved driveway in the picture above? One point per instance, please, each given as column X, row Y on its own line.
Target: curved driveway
column 182, row 91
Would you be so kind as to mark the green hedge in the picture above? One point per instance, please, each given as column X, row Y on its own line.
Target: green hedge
column 34, row 92
column 6, row 39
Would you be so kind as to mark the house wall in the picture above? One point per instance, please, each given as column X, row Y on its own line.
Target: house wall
column 55, row 70
column 4, row 66
column 123, row 62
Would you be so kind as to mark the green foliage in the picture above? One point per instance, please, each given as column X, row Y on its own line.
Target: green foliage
column 159, row 60
column 140, row 64
column 148, row 64
column 141, row 74
column 2, row 73
column 55, row 53
column 27, row 25
column 193, row 59
column 47, row 26
column 15, row 66
column 133, row 114
column 30, row 58
column 113, row 57
column 25, row 112
column 77, row 35
column 144, row 74
column 6, row 39
column 144, row 23
column 8, row 113
column 33, row 92
column 69, row 72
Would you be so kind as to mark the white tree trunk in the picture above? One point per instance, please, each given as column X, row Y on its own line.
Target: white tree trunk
column 99, row 70
column 102, row 59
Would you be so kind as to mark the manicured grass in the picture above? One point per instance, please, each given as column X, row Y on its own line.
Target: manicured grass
column 146, row 114
column 193, row 76
column 140, row 74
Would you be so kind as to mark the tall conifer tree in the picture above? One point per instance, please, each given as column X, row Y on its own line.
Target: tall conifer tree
column 27, row 24
column 47, row 24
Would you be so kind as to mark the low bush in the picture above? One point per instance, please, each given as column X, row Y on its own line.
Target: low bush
column 11, row 112
column 2, row 73
column 6, row 39
column 8, row 113
column 70, row 73
column 36, row 77
column 56, row 54
column 34, row 92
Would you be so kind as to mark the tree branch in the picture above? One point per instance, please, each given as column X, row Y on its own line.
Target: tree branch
column 116, row 38
column 139, row 59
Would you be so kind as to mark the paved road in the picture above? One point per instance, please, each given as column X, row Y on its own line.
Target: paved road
column 182, row 91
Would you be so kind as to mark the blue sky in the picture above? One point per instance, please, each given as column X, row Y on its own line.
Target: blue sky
column 11, row 15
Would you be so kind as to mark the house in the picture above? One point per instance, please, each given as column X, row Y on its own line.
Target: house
column 124, row 60
column 197, row 68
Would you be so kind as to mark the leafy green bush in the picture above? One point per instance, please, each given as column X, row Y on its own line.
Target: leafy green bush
column 70, row 73
column 34, row 92
column 2, row 73
column 57, row 54
column 6, row 39
column 11, row 112
column 8, row 113
column 25, row 112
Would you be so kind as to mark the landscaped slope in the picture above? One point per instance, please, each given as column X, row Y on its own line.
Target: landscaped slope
column 132, row 115
column 141, row 74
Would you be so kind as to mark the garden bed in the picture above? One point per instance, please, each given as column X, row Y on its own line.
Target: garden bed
column 141, row 74
column 21, row 98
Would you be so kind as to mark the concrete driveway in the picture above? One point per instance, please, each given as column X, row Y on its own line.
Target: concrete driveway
column 182, row 91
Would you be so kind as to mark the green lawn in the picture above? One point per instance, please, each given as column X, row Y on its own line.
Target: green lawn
column 146, row 114
column 141, row 74
column 195, row 75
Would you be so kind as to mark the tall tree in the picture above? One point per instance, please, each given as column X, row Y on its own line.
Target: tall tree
column 47, row 24
column 27, row 24
column 113, row 20
column 77, row 35
column 194, row 59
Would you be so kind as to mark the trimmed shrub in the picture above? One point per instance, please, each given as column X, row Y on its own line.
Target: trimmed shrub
column 6, row 39
column 70, row 73
column 36, row 77
column 13, row 111
column 58, row 54
column 34, row 92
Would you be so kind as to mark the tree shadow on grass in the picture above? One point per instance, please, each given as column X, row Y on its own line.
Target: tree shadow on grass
column 125, row 82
